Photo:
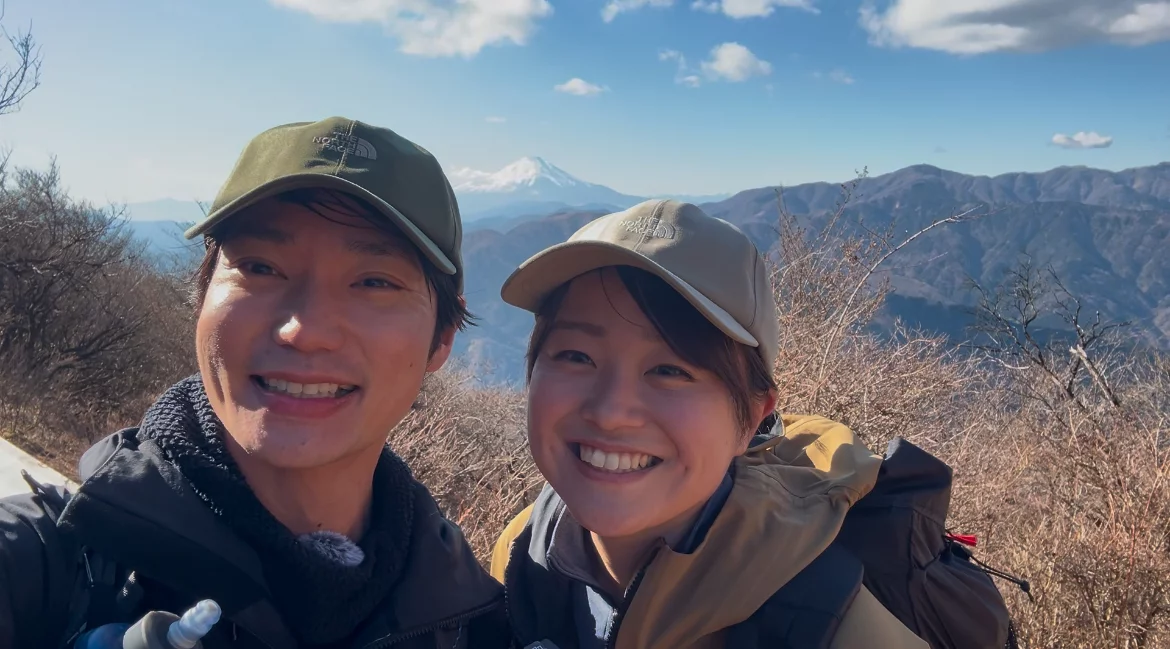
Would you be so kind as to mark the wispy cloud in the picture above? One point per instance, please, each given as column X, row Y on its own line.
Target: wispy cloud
column 981, row 26
column 1083, row 140
column 837, row 75
column 751, row 8
column 615, row 7
column 580, row 87
column 684, row 75
column 436, row 28
column 734, row 62
column 495, row 120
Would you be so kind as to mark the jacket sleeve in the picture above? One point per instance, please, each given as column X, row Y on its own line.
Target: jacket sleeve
column 868, row 625
column 503, row 548
column 35, row 579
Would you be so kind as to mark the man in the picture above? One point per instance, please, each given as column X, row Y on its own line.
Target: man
column 330, row 287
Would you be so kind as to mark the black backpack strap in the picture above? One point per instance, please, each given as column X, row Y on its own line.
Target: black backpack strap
column 807, row 611
column 101, row 591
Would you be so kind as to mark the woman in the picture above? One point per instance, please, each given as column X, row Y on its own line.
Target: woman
column 678, row 505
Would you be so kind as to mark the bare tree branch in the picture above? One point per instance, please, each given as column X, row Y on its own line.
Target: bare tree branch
column 21, row 77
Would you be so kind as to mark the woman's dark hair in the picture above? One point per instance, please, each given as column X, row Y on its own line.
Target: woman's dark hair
column 451, row 310
column 688, row 333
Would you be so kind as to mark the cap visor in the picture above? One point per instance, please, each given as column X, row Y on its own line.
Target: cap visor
column 529, row 284
column 325, row 181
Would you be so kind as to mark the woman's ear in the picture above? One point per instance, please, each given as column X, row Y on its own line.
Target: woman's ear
column 761, row 410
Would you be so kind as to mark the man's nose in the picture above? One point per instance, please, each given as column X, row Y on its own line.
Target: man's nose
column 311, row 319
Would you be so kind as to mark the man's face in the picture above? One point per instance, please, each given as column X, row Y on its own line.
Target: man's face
column 314, row 335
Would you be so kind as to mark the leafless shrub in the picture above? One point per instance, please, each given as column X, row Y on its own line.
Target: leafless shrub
column 89, row 330
column 470, row 447
column 1074, row 491
column 828, row 289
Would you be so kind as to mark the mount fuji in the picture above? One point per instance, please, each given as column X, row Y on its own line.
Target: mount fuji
column 532, row 185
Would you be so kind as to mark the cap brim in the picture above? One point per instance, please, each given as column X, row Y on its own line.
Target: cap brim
column 325, row 181
column 529, row 284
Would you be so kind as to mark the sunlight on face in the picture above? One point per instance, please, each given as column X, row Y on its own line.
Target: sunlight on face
column 605, row 382
column 314, row 336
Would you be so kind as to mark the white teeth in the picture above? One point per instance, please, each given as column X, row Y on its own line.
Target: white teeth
column 614, row 462
column 306, row 390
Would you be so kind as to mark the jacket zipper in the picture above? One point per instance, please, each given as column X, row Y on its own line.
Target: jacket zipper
column 620, row 613
column 430, row 628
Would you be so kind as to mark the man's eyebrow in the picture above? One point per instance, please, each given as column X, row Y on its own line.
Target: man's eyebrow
column 586, row 328
column 261, row 232
column 379, row 247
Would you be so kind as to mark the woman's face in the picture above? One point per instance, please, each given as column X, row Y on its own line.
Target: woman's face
column 633, row 439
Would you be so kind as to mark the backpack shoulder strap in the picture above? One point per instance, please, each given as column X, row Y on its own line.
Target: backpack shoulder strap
column 807, row 611
column 100, row 590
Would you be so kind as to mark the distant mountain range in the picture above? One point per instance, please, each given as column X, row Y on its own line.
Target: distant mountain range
column 527, row 187
column 1107, row 234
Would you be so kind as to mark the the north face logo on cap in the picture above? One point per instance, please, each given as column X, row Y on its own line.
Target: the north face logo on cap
column 346, row 143
column 650, row 227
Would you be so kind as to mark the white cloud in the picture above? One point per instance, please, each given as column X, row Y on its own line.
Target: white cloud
column 684, row 75
column 615, row 7
column 579, row 87
column 981, row 26
column 495, row 120
column 761, row 8
column 710, row 7
column 734, row 62
column 841, row 76
column 1082, row 140
column 436, row 27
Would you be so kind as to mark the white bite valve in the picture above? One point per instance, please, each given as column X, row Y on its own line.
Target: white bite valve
column 188, row 630
column 163, row 630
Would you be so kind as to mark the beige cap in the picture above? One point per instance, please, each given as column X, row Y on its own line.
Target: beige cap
column 709, row 261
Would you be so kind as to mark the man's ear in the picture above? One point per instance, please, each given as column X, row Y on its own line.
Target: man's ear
column 442, row 350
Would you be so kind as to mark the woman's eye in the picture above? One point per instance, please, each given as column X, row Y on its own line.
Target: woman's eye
column 257, row 268
column 573, row 356
column 671, row 371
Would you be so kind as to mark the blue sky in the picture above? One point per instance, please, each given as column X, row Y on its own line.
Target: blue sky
column 144, row 99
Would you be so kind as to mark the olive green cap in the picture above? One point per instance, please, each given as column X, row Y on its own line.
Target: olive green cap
column 400, row 179
column 709, row 261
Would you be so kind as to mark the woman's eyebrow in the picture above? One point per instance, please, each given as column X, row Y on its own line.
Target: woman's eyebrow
column 587, row 328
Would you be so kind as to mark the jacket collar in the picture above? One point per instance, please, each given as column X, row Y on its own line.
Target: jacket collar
column 135, row 508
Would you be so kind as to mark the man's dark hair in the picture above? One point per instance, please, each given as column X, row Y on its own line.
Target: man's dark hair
column 688, row 333
column 451, row 309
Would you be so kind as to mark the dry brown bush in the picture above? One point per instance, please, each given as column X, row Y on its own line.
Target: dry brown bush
column 1060, row 446
column 1072, row 487
column 90, row 330
column 469, row 446
column 828, row 286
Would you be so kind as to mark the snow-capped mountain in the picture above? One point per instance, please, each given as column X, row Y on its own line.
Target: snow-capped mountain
column 526, row 184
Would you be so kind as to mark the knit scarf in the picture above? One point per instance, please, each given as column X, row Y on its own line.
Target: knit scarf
column 322, row 600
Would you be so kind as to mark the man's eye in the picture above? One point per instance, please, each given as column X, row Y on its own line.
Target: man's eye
column 573, row 356
column 672, row 371
column 377, row 282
